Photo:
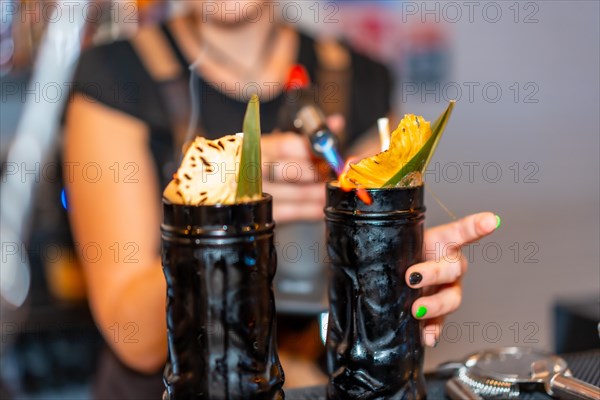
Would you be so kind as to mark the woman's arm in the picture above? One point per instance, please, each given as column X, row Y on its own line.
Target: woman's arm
column 112, row 192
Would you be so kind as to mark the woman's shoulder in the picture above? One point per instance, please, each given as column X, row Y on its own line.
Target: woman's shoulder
column 113, row 74
column 112, row 60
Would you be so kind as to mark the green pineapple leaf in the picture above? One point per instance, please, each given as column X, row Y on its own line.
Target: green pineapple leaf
column 250, row 174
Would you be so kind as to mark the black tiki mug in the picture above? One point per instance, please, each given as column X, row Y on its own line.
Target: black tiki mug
column 374, row 345
column 219, row 262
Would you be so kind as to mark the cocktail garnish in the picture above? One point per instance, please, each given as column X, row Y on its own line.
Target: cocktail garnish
column 221, row 171
column 208, row 172
column 412, row 145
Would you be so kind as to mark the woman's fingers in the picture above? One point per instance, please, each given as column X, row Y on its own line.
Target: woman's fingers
column 280, row 147
column 293, row 202
column 290, row 192
column 461, row 232
column 291, row 171
column 292, row 178
column 445, row 301
column 286, row 157
column 444, row 268
column 430, row 273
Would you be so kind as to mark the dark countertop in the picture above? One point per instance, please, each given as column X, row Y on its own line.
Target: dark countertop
column 584, row 366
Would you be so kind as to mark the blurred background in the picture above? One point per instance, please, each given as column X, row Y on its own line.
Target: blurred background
column 523, row 142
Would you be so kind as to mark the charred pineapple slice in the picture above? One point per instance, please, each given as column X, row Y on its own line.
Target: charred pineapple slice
column 406, row 141
column 208, row 173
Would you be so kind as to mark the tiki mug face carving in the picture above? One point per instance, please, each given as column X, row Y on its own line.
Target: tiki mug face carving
column 374, row 344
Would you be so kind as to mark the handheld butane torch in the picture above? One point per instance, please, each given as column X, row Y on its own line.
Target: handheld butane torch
column 305, row 117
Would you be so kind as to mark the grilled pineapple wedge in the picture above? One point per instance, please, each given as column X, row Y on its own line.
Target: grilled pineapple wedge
column 209, row 172
column 412, row 145
column 406, row 141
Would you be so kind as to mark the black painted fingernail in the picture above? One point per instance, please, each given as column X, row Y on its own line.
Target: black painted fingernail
column 415, row 278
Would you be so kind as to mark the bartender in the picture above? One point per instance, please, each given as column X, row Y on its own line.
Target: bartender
column 125, row 115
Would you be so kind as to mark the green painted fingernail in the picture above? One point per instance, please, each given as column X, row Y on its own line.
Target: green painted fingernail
column 421, row 311
column 498, row 221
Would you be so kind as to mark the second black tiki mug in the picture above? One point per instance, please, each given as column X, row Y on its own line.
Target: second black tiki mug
column 374, row 348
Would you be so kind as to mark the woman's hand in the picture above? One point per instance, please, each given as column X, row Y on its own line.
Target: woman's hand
column 293, row 176
column 440, row 274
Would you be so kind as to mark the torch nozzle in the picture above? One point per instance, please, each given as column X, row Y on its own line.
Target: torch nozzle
column 324, row 144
